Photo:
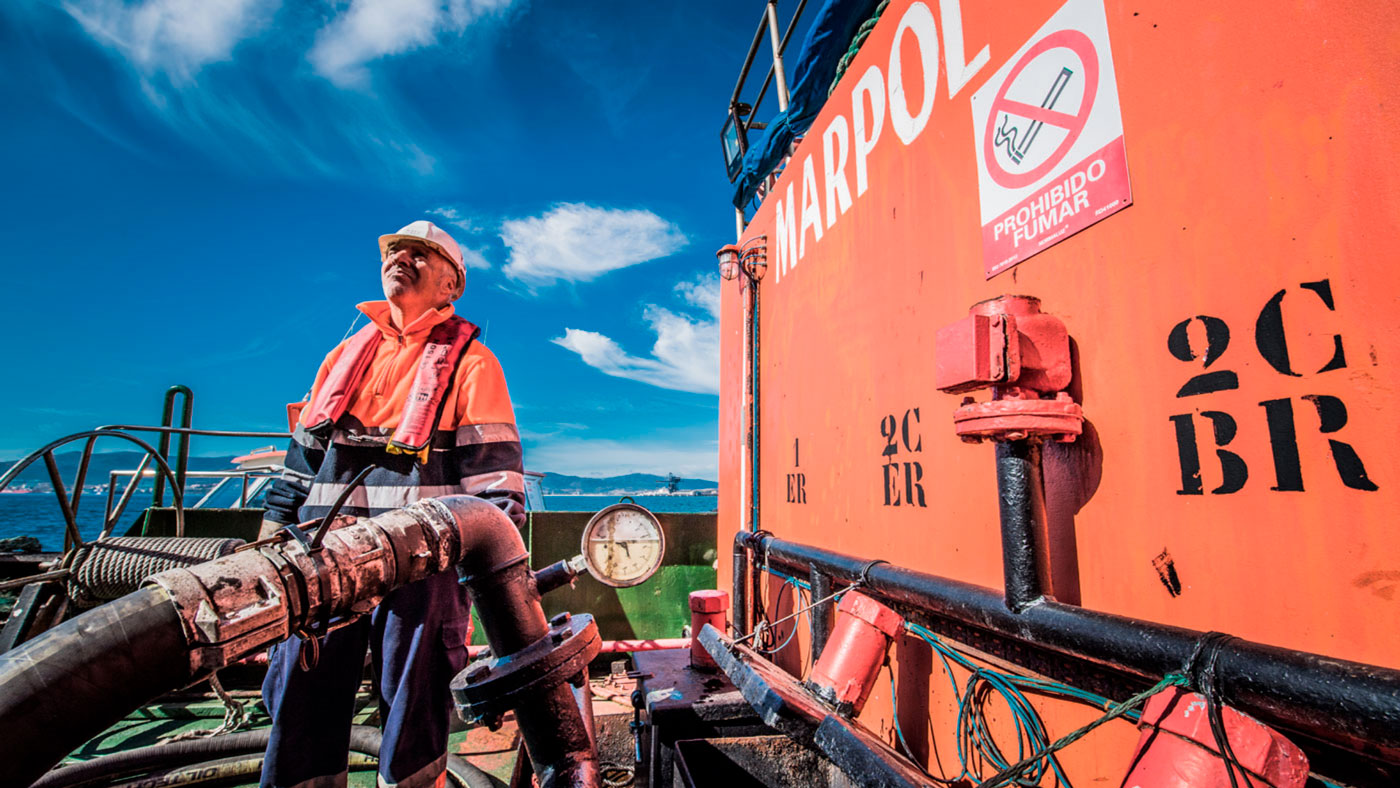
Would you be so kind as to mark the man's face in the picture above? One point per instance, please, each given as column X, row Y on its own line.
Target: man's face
column 414, row 275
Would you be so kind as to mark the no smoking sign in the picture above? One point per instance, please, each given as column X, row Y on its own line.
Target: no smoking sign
column 1049, row 138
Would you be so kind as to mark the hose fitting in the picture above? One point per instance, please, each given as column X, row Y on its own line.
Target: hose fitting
column 265, row 592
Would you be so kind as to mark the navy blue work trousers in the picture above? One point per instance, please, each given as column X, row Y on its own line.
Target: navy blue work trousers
column 417, row 641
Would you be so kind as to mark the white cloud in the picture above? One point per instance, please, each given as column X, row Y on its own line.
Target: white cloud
column 372, row 29
column 173, row 37
column 458, row 218
column 685, row 356
column 702, row 292
column 598, row 458
column 473, row 258
column 576, row 242
column 259, row 112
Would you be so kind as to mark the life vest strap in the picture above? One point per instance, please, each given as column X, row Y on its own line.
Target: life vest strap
column 423, row 408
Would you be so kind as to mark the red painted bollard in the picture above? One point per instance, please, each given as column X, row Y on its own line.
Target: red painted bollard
column 706, row 607
column 1178, row 750
column 850, row 663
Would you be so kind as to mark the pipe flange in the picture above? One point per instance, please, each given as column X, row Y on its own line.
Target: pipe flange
column 490, row 687
column 1015, row 419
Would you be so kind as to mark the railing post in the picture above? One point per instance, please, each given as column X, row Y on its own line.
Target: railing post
column 779, row 77
column 167, row 419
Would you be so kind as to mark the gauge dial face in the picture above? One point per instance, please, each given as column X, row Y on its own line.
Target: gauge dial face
column 623, row 545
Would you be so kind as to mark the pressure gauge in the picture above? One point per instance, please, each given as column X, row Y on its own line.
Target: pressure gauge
column 623, row 545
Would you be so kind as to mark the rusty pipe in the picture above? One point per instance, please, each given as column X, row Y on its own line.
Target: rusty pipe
column 507, row 601
column 740, row 585
column 186, row 623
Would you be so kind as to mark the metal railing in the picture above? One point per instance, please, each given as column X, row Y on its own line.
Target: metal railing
column 252, row 481
column 742, row 117
column 767, row 24
column 68, row 505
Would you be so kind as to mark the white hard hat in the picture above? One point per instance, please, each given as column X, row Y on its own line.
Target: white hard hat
column 432, row 235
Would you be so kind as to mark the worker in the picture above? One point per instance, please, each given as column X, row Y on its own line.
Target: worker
column 415, row 397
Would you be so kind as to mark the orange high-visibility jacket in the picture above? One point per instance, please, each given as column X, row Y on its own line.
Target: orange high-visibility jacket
column 476, row 449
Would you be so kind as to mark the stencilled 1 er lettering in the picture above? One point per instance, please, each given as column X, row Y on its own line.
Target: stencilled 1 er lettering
column 901, row 470
column 1271, row 339
column 797, row 480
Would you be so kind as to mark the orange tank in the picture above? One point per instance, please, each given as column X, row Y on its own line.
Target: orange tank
column 1202, row 196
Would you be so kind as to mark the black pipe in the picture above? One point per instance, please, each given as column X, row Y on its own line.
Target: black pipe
column 739, row 586
column 81, row 677
column 172, row 755
column 1021, row 498
column 822, row 614
column 1344, row 704
column 555, row 576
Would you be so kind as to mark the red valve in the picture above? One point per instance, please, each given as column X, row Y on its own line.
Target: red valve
column 1178, row 750
column 706, row 607
column 1008, row 345
column 850, row 663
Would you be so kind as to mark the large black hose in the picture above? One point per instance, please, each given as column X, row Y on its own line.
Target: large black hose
column 76, row 680
column 84, row 675
column 160, row 756
column 224, row 771
column 216, row 758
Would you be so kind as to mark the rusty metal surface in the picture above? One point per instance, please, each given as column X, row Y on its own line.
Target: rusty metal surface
column 684, row 703
column 266, row 591
column 856, row 751
column 259, row 595
column 777, row 697
column 492, row 751
column 790, row 707
column 770, row 761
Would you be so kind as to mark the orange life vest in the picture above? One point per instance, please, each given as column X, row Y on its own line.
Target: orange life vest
column 431, row 381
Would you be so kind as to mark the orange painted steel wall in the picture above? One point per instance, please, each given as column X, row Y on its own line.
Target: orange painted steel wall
column 1261, row 144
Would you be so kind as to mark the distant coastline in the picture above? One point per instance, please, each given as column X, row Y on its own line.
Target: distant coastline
column 35, row 478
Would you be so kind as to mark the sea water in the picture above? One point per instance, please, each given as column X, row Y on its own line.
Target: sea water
column 37, row 514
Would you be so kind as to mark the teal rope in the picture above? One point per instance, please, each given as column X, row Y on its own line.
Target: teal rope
column 972, row 733
column 975, row 738
column 861, row 34
column 1114, row 712
column 894, row 711
column 797, row 581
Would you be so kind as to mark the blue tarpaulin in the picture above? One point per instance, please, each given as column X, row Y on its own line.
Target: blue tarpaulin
column 827, row 39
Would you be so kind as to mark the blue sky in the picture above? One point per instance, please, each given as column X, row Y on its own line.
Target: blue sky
column 194, row 189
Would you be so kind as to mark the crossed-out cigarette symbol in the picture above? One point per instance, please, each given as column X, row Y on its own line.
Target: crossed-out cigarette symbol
column 1016, row 149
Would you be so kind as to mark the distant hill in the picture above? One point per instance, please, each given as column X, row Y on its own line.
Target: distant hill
column 103, row 463
column 560, row 484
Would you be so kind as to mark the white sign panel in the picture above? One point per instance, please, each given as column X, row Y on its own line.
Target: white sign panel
column 1049, row 138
